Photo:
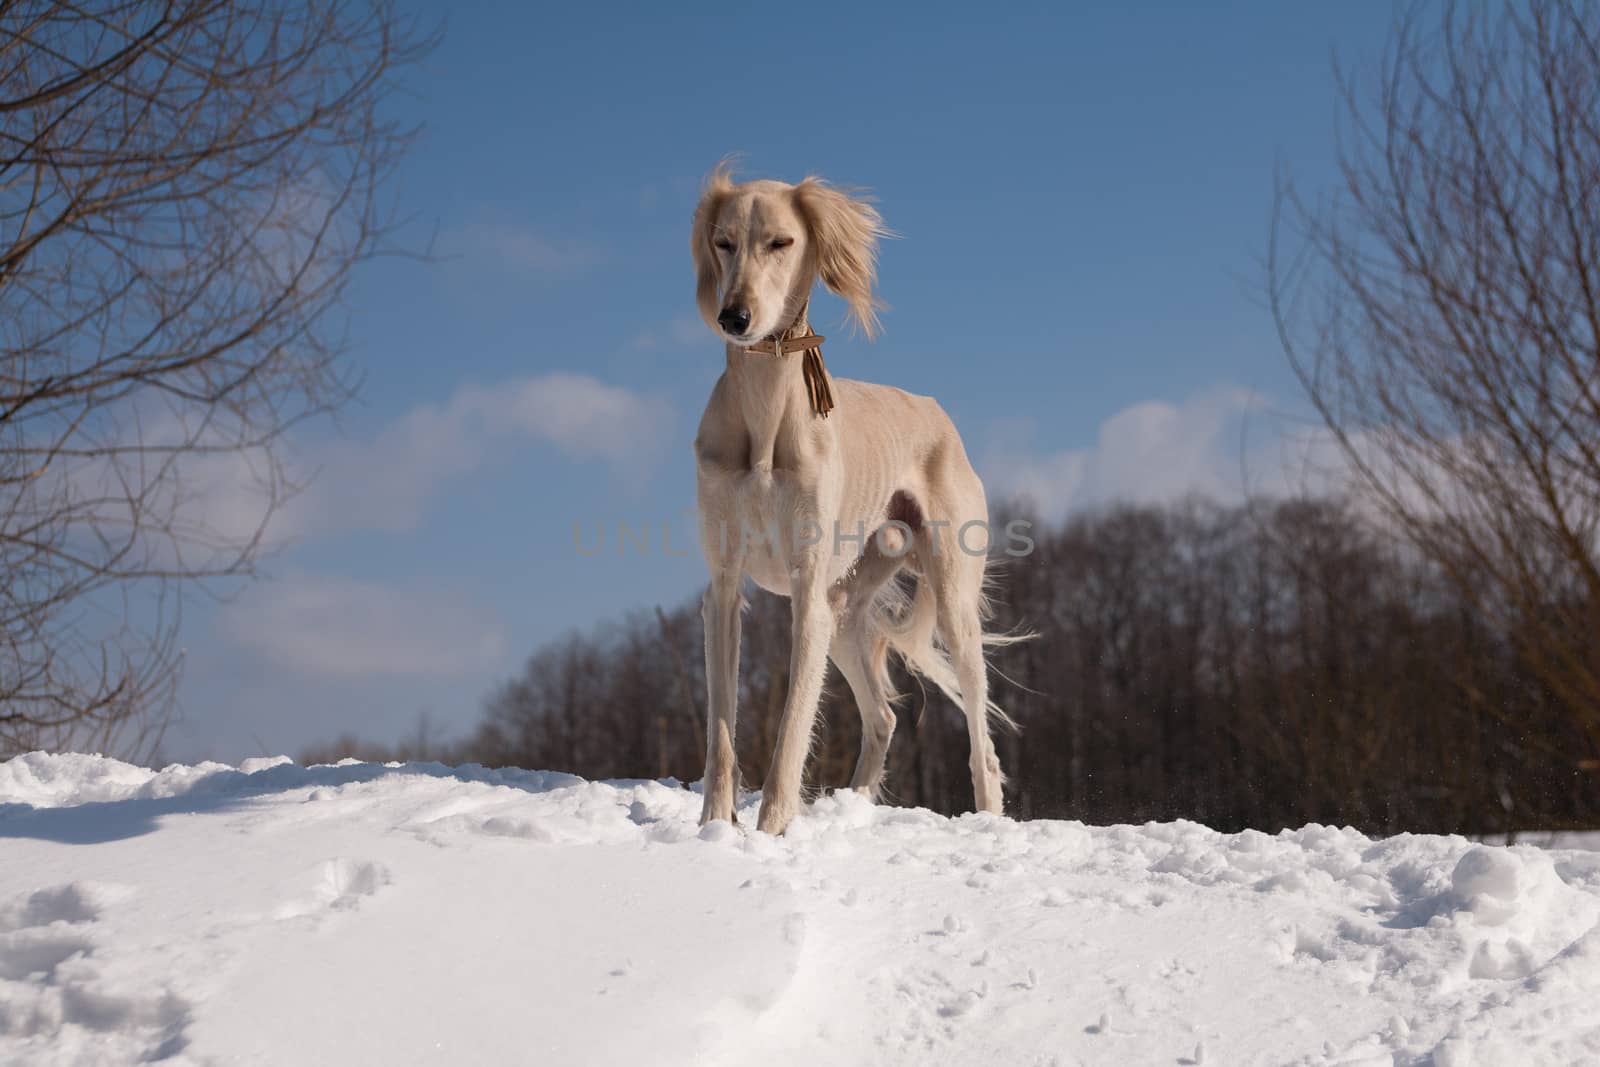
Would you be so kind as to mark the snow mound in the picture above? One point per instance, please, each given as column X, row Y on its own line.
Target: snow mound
column 364, row 913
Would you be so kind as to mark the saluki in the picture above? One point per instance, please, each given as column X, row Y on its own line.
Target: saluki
column 824, row 491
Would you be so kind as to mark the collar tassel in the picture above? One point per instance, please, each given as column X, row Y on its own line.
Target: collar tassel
column 817, row 385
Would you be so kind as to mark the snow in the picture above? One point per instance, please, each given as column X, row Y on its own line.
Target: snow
column 362, row 913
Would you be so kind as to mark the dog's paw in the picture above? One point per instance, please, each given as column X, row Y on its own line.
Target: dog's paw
column 712, row 811
column 775, row 817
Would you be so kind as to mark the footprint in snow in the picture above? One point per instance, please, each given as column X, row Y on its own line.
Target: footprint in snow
column 39, row 931
column 337, row 885
column 512, row 826
column 52, row 978
column 75, row 902
column 959, row 1005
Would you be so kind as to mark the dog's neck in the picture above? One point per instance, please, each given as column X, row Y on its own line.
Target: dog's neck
column 798, row 339
column 800, row 327
column 769, row 390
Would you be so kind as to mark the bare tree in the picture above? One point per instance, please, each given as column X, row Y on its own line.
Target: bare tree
column 1442, row 309
column 184, row 190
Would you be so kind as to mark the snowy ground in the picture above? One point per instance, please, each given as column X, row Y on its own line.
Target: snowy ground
column 420, row 914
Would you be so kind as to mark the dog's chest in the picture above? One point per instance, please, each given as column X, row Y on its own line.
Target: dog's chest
column 773, row 519
column 761, row 515
column 770, row 509
column 769, row 483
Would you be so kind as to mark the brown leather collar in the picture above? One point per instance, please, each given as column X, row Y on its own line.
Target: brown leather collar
column 784, row 346
column 818, row 388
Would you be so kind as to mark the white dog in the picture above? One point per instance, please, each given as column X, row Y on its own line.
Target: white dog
column 823, row 492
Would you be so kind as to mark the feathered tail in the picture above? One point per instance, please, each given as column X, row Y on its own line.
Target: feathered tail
column 909, row 621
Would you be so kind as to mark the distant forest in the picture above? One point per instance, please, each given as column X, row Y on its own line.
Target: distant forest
column 1265, row 665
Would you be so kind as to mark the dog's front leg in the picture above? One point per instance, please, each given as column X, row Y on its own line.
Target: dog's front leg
column 720, row 610
column 808, row 660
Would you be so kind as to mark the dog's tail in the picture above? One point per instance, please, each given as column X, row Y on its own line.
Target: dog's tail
column 909, row 621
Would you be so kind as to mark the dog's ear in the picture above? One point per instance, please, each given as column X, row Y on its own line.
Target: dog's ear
column 845, row 229
column 707, row 267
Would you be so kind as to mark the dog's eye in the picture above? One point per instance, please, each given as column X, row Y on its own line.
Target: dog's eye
column 724, row 245
column 778, row 243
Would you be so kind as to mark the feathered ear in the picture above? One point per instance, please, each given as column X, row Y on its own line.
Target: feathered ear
column 845, row 230
column 707, row 268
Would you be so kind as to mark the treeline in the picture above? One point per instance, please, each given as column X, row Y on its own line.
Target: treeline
column 1263, row 665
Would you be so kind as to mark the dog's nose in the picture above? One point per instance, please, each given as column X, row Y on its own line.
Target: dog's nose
column 735, row 319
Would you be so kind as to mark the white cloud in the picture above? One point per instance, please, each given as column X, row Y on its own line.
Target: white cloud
column 159, row 486
column 681, row 331
column 1221, row 442
column 199, row 508
column 523, row 249
column 582, row 416
column 333, row 626
column 385, row 483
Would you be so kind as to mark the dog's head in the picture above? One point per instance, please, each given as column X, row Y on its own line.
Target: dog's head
column 759, row 246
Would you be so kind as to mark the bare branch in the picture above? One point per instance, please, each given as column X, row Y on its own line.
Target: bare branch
column 185, row 188
column 1443, row 313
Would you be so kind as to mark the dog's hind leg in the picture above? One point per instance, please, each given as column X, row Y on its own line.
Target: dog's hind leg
column 958, row 588
column 860, row 650
column 963, row 633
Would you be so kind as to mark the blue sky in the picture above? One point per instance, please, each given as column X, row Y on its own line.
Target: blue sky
column 1082, row 197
